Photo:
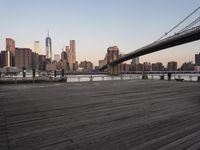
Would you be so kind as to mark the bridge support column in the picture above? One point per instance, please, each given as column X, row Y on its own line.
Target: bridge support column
column 112, row 55
column 113, row 70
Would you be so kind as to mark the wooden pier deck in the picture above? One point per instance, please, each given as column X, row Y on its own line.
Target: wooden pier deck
column 110, row 115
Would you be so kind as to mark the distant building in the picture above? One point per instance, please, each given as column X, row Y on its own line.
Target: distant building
column 197, row 59
column 102, row 63
column 96, row 68
column 157, row 66
column 48, row 45
column 23, row 58
column 37, row 47
column 146, row 66
column 73, row 51
column 5, row 58
column 75, row 66
column 64, row 56
column 42, row 62
column 139, row 67
column 197, row 68
column 10, row 48
column 35, row 60
column 124, row 67
column 57, row 57
column 135, row 61
column 188, row 66
column 172, row 66
column 71, row 54
column 86, row 65
column 10, row 45
column 0, row 61
column 51, row 66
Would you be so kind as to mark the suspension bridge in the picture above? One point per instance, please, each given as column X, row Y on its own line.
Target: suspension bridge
column 189, row 33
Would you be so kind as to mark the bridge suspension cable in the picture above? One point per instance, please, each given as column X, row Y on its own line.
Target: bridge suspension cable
column 190, row 25
column 179, row 24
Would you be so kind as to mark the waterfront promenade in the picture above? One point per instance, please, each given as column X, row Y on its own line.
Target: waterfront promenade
column 107, row 115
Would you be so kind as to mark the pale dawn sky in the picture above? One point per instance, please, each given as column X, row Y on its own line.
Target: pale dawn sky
column 96, row 25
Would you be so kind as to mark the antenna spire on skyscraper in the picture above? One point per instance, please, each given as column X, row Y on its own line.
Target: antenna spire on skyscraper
column 48, row 32
column 48, row 47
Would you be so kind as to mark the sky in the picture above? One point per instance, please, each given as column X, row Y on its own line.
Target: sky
column 97, row 25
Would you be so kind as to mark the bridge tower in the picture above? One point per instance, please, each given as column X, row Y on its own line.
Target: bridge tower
column 112, row 55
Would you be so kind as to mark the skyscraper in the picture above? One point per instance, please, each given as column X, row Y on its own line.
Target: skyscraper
column 71, row 53
column 86, row 65
column 5, row 59
column 73, row 50
column 197, row 59
column 172, row 66
column 37, row 47
column 23, row 58
column 157, row 66
column 48, row 46
column 56, row 57
column 10, row 48
column 135, row 61
column 64, row 56
column 10, row 45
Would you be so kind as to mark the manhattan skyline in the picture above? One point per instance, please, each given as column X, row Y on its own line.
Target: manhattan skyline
column 96, row 25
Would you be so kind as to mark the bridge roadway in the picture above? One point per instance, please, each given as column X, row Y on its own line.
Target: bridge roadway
column 109, row 115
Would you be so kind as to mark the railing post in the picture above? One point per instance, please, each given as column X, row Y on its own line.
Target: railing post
column 24, row 72
column 198, row 79
column 169, row 76
column 33, row 74
column 162, row 77
column 190, row 78
column 55, row 73
column 62, row 73
column 91, row 78
column 144, row 76
column 121, row 77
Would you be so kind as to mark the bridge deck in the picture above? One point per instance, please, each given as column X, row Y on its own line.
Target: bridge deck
column 100, row 115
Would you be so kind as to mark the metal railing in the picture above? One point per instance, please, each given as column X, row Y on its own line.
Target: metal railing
column 89, row 78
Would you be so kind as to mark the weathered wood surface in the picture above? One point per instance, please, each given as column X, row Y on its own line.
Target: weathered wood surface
column 111, row 115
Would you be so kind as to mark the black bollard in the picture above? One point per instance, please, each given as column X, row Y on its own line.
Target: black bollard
column 144, row 76
column 33, row 74
column 63, row 73
column 55, row 73
column 198, row 79
column 162, row 77
column 24, row 72
column 169, row 76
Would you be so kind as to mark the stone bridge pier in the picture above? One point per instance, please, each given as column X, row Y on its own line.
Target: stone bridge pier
column 112, row 55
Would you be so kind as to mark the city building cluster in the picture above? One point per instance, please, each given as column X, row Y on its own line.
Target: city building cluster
column 25, row 58
column 113, row 54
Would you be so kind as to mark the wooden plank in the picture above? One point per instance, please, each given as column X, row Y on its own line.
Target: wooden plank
column 122, row 115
